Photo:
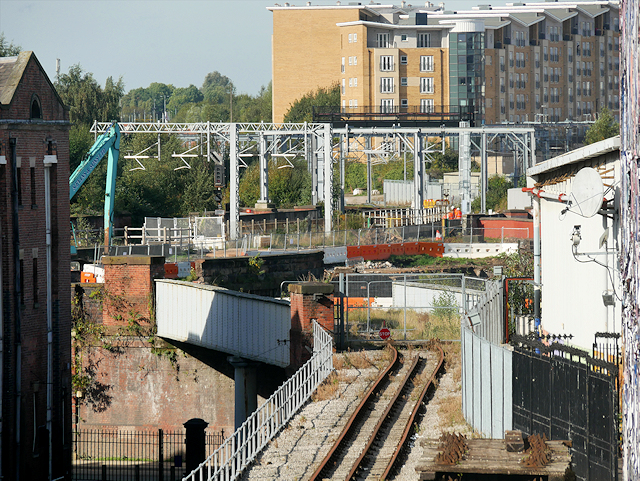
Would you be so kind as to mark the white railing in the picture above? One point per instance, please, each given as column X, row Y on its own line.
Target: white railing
column 241, row 448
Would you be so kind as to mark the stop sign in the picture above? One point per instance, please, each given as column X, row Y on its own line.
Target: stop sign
column 385, row 333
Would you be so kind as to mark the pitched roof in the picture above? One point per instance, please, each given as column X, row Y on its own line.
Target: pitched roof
column 583, row 153
column 11, row 72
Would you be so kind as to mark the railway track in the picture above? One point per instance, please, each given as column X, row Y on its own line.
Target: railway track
column 374, row 440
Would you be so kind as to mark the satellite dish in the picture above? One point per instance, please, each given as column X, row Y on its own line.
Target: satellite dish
column 587, row 192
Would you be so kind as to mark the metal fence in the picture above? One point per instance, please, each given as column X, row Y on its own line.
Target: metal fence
column 105, row 454
column 241, row 448
column 565, row 393
column 486, row 385
column 487, row 315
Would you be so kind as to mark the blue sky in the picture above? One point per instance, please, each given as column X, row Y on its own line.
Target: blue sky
column 170, row 41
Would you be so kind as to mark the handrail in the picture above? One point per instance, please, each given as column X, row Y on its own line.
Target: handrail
column 240, row 449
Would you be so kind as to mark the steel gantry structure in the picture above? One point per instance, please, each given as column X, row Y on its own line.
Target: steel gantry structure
column 324, row 147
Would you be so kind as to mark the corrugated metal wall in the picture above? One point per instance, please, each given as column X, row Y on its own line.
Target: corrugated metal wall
column 487, row 402
column 249, row 326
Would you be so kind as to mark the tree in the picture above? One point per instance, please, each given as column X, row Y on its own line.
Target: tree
column 8, row 49
column 86, row 99
column 287, row 186
column 217, row 88
column 603, row 128
column 496, row 200
column 302, row 109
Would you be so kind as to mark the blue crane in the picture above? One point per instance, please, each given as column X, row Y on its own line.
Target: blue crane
column 109, row 141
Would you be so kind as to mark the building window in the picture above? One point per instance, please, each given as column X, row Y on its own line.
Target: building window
column 355, row 81
column 386, row 63
column 426, row 63
column 355, row 60
column 355, row 103
column 344, row 104
column 35, row 281
column 350, row 82
column 488, row 59
column 404, row 103
column 344, row 84
column 426, row 106
column 424, row 40
column 36, row 109
column 426, row 85
column 350, row 60
column 355, row 38
column 404, row 81
column 382, row 40
column 489, row 102
column 386, row 85
column 386, row 106
column 33, row 187
column 342, row 68
column 404, row 37
column 350, row 38
column 403, row 60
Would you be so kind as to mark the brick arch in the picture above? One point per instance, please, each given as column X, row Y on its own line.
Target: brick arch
column 35, row 107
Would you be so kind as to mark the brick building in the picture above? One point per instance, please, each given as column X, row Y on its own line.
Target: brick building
column 35, row 321
column 524, row 62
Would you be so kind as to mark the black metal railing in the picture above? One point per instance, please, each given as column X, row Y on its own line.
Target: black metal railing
column 437, row 114
column 567, row 394
column 133, row 455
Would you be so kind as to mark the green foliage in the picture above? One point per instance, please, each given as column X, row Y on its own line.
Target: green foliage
column 8, row 49
column 355, row 175
column 86, row 100
column 519, row 264
column 603, row 128
column 302, row 109
column 496, row 194
column 287, row 186
column 445, row 306
column 80, row 141
column 439, row 163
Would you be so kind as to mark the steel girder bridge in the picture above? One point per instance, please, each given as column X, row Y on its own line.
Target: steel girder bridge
column 324, row 147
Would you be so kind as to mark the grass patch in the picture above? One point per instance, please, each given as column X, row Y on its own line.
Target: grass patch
column 438, row 324
column 327, row 390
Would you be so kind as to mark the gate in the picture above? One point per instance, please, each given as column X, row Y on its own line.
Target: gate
column 565, row 393
column 133, row 455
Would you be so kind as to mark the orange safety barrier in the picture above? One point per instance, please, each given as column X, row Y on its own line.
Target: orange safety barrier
column 354, row 251
column 87, row 278
column 382, row 252
column 171, row 270
column 397, row 249
column 358, row 302
column 411, row 248
column 433, row 249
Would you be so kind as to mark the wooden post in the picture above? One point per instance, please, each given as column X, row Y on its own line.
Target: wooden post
column 126, row 235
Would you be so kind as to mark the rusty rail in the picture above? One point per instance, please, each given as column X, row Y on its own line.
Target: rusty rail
column 360, row 411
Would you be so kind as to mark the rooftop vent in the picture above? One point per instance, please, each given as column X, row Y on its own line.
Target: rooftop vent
column 484, row 7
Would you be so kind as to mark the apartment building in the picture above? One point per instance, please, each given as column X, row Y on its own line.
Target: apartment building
column 522, row 62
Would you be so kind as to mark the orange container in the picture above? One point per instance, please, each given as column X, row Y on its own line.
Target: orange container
column 87, row 277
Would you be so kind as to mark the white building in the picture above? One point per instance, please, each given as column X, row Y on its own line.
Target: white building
column 580, row 282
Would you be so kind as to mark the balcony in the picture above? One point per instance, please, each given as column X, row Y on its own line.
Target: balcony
column 507, row 41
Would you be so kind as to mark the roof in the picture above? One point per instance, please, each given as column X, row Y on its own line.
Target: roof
column 12, row 70
column 587, row 152
column 526, row 19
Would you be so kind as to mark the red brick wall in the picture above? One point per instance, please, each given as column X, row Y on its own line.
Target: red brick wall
column 128, row 291
column 513, row 228
column 31, row 142
column 309, row 301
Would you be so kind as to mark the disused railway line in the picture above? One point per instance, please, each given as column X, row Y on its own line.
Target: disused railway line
column 373, row 442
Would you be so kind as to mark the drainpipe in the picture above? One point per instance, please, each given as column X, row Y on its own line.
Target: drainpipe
column 2, row 162
column 49, row 159
column 16, row 298
column 536, row 261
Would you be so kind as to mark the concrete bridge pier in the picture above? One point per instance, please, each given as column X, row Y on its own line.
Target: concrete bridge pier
column 246, row 388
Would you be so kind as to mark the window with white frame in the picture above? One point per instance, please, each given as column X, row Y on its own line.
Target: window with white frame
column 355, row 103
column 426, row 85
column 426, row 63
column 382, row 40
column 404, row 103
column 350, row 82
column 350, row 103
column 386, row 85
column 403, row 60
column 350, row 60
column 350, row 38
column 386, row 106
column 344, row 84
column 355, row 81
column 355, row 38
column 426, row 106
column 355, row 60
column 489, row 102
column 404, row 81
column 404, row 37
column 342, row 70
column 424, row 40
column 344, row 104
column 386, row 63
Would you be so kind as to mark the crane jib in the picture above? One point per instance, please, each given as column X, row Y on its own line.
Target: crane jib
column 86, row 171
